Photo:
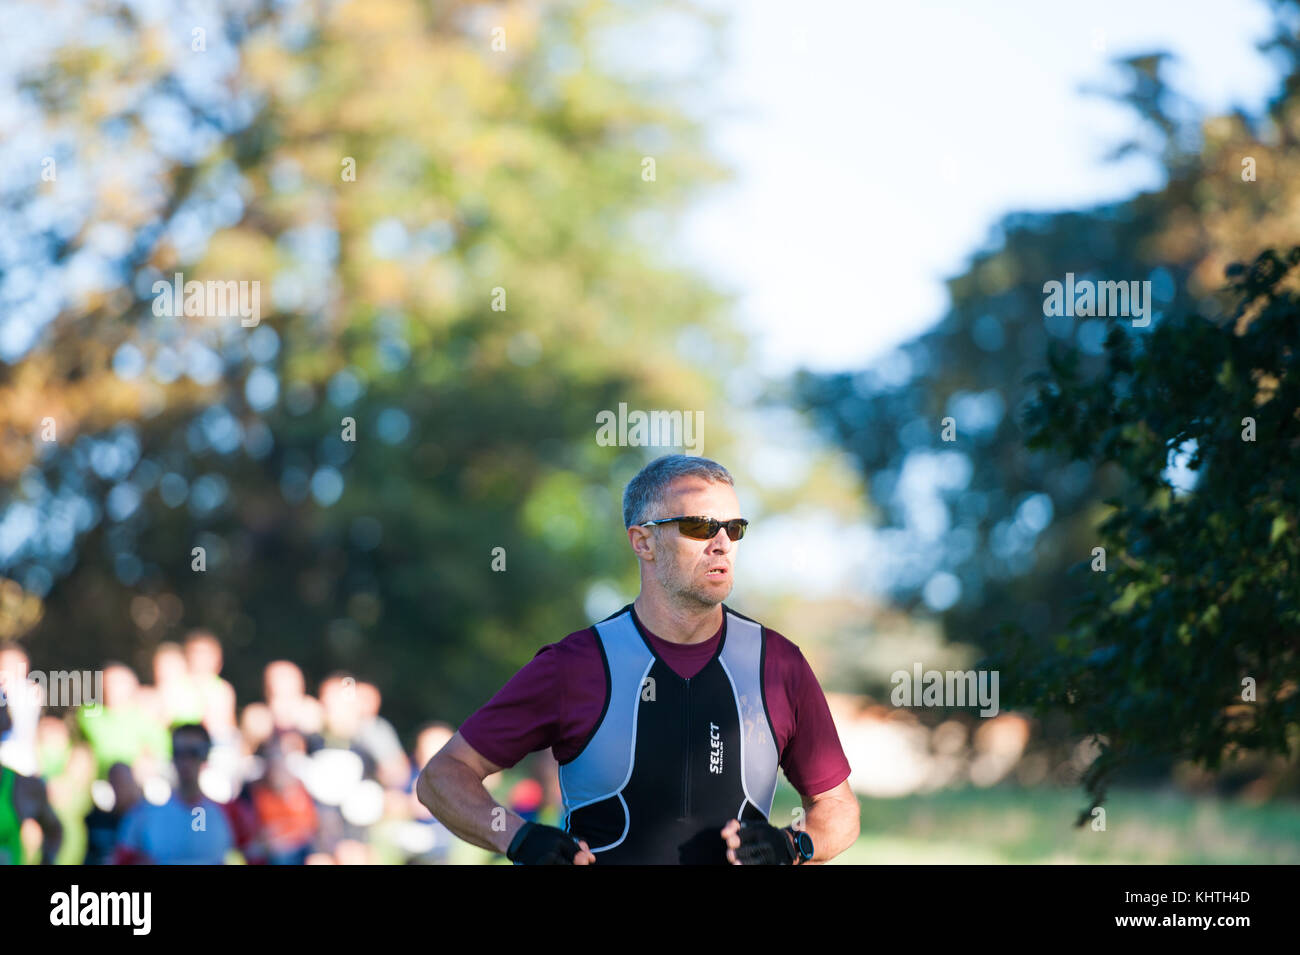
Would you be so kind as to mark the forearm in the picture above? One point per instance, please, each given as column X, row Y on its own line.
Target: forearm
column 458, row 799
column 833, row 826
column 52, row 830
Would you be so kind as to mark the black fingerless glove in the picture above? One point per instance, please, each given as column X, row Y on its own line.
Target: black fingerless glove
column 764, row 844
column 536, row 844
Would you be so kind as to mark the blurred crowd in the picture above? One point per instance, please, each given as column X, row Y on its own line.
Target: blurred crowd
column 175, row 772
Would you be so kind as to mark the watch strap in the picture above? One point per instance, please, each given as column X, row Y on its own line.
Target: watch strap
column 796, row 853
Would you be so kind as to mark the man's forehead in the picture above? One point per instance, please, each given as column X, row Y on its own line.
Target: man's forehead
column 697, row 490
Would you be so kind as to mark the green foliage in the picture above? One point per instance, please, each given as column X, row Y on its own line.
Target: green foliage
column 1203, row 585
column 1201, row 588
column 483, row 285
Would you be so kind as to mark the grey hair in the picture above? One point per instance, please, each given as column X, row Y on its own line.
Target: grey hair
column 651, row 483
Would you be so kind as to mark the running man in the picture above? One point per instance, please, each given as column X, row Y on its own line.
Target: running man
column 668, row 719
column 21, row 798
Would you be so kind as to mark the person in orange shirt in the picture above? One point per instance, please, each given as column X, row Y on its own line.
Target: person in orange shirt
column 285, row 814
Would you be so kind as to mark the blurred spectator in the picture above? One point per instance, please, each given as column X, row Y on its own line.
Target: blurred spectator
column 53, row 746
column 426, row 840
column 284, row 813
column 342, row 773
column 187, row 829
column 377, row 737
column 23, row 799
column 225, row 772
column 526, row 799
column 204, row 658
column 18, row 749
column 121, row 731
column 291, row 707
column 256, row 726
column 104, row 821
column 175, row 696
column 338, row 699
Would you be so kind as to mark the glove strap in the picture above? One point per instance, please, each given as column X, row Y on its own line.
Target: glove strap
column 518, row 840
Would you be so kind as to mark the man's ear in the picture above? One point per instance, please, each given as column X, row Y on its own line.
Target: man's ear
column 642, row 541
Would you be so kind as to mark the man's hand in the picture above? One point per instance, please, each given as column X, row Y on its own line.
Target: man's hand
column 536, row 844
column 757, row 843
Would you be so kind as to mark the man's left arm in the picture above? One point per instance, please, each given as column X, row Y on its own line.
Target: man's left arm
column 811, row 759
column 832, row 821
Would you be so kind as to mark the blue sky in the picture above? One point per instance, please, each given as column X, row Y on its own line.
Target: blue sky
column 875, row 144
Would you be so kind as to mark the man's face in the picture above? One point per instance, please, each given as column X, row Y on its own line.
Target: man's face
column 283, row 681
column 203, row 656
column 695, row 571
column 189, row 753
column 120, row 685
column 13, row 664
column 169, row 665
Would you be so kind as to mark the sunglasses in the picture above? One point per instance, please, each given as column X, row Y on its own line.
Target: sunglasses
column 198, row 752
column 704, row 528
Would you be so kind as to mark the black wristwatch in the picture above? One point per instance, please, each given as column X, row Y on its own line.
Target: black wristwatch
column 802, row 847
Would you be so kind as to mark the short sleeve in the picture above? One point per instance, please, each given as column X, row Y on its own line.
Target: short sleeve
column 813, row 759
column 524, row 715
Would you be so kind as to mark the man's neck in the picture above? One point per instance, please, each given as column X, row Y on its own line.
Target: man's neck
column 675, row 623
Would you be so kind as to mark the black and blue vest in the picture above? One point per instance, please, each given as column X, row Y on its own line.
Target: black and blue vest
column 672, row 760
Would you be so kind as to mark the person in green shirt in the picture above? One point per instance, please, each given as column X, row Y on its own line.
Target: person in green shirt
column 179, row 698
column 120, row 730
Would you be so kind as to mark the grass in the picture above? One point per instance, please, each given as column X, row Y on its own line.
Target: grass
column 1008, row 824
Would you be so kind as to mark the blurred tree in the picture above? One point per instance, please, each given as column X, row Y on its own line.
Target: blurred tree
column 983, row 527
column 459, row 258
column 982, row 531
column 980, row 523
column 1186, row 643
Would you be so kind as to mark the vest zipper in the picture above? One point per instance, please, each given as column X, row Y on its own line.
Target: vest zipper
column 686, row 768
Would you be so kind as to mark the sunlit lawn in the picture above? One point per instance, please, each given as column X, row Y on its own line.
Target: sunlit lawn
column 1015, row 825
column 1007, row 824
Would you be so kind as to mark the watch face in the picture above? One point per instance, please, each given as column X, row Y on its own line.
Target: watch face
column 805, row 845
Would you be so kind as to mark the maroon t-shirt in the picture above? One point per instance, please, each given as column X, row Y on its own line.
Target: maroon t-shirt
column 556, row 698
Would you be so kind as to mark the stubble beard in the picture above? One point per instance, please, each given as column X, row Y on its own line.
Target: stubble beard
column 688, row 594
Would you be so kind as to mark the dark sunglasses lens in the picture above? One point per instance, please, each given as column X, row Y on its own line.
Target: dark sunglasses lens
column 707, row 530
column 698, row 530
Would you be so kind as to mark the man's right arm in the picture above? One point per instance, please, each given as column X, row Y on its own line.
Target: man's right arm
column 451, row 787
column 524, row 716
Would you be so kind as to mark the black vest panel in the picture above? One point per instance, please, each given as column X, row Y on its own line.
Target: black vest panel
column 672, row 760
